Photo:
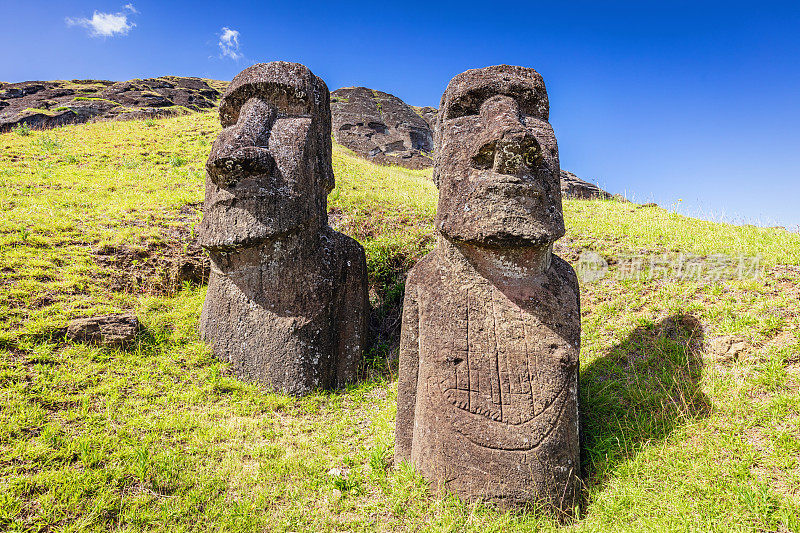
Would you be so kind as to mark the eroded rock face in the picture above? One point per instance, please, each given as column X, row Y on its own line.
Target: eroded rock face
column 287, row 295
column 429, row 114
column 381, row 127
column 488, row 378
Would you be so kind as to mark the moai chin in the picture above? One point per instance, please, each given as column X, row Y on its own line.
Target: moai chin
column 488, row 379
column 287, row 295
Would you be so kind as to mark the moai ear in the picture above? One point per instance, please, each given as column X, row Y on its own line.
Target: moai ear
column 437, row 141
column 327, row 180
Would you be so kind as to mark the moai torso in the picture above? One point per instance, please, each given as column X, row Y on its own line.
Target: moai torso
column 487, row 393
column 287, row 301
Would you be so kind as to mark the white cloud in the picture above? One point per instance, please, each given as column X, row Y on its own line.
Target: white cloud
column 229, row 44
column 106, row 24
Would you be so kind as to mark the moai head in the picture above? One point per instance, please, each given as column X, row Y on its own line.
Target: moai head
column 497, row 160
column 269, row 171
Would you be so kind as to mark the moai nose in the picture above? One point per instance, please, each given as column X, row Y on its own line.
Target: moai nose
column 242, row 148
column 501, row 114
column 512, row 150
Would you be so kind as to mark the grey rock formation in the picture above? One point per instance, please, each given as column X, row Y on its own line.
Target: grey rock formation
column 574, row 187
column 488, row 372
column 287, row 296
column 47, row 104
column 381, row 127
column 105, row 330
column 428, row 114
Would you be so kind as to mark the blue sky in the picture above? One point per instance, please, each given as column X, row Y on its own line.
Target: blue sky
column 689, row 104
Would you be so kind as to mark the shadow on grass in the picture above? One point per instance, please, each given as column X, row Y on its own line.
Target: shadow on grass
column 639, row 392
column 390, row 256
column 385, row 318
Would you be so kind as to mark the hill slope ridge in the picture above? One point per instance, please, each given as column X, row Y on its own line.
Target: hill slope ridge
column 48, row 104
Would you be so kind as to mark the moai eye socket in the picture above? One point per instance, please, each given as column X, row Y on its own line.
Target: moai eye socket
column 484, row 159
column 458, row 109
column 533, row 157
column 290, row 101
column 529, row 101
column 466, row 104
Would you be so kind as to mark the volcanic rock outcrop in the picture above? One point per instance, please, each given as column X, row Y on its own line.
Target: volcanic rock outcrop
column 574, row 187
column 381, row 127
column 47, row 104
column 428, row 114
column 487, row 402
column 287, row 296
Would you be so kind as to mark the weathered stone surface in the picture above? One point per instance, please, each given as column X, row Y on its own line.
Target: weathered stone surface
column 105, row 330
column 574, row 187
column 488, row 372
column 497, row 160
column 48, row 104
column 381, row 127
column 287, row 296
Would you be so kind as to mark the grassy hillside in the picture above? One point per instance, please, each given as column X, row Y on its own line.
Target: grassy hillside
column 689, row 385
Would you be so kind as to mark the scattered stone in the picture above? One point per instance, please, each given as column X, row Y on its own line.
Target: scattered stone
column 338, row 472
column 381, row 127
column 48, row 104
column 726, row 348
column 287, row 296
column 488, row 372
column 105, row 330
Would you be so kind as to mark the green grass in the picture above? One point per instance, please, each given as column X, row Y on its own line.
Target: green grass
column 161, row 436
column 40, row 111
column 93, row 99
column 22, row 129
column 631, row 227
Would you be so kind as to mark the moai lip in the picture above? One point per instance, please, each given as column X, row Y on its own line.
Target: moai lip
column 488, row 377
column 287, row 296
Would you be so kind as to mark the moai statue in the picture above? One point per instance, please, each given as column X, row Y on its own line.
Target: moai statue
column 287, row 296
column 487, row 400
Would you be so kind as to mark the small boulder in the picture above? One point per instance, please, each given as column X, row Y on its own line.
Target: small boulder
column 727, row 348
column 105, row 330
